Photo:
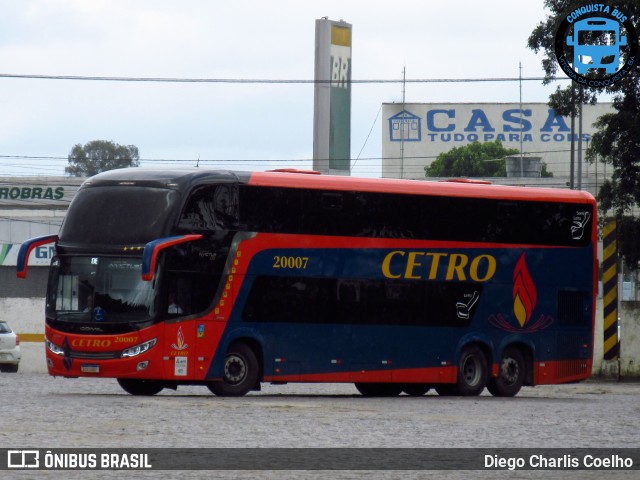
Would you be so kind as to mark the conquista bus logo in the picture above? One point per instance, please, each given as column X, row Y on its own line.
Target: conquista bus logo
column 596, row 45
column 524, row 303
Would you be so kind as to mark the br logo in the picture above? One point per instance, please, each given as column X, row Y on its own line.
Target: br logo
column 596, row 45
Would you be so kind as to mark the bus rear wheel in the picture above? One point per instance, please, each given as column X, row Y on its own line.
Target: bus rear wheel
column 379, row 389
column 240, row 372
column 472, row 372
column 510, row 376
column 136, row 386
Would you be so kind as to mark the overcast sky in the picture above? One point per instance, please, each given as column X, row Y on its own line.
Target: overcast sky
column 241, row 126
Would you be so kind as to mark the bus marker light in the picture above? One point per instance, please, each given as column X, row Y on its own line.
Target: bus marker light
column 142, row 365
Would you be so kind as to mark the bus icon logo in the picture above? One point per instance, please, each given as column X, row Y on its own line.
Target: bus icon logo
column 596, row 43
column 23, row 459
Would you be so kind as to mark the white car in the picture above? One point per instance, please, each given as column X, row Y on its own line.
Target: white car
column 9, row 349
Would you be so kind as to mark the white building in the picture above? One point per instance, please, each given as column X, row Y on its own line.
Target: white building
column 29, row 207
column 414, row 134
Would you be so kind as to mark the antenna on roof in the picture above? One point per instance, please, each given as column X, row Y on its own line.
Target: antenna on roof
column 198, row 162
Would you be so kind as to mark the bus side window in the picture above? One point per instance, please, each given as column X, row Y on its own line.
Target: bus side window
column 211, row 208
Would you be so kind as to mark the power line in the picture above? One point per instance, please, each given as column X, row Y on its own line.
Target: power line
column 27, row 76
column 257, row 160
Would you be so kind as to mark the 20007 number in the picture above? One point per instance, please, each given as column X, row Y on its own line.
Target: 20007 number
column 290, row 262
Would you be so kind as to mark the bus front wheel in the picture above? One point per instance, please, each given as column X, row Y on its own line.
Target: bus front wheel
column 136, row 386
column 510, row 376
column 240, row 372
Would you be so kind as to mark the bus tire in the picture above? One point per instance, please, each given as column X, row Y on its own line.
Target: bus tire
column 240, row 372
column 472, row 372
column 135, row 386
column 379, row 389
column 416, row 389
column 510, row 374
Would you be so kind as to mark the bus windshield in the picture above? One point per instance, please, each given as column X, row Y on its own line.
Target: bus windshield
column 120, row 215
column 99, row 289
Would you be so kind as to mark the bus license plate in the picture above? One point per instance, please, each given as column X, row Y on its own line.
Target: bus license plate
column 90, row 368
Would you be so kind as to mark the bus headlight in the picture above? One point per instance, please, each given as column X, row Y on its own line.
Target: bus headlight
column 138, row 349
column 53, row 348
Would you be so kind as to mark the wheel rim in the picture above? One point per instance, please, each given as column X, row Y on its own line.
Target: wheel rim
column 509, row 370
column 471, row 371
column 235, row 369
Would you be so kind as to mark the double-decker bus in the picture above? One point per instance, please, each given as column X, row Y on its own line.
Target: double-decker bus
column 227, row 279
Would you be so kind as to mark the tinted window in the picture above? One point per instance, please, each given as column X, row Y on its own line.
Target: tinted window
column 382, row 215
column 360, row 301
column 264, row 209
column 211, row 208
column 192, row 276
column 119, row 215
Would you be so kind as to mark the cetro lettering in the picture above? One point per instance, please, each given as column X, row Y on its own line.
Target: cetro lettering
column 90, row 343
column 419, row 265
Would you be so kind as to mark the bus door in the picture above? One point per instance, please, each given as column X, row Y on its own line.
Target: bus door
column 188, row 326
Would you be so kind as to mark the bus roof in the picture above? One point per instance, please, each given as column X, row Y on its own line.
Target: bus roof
column 186, row 178
column 454, row 188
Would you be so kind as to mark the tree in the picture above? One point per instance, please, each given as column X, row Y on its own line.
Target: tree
column 617, row 141
column 99, row 156
column 473, row 160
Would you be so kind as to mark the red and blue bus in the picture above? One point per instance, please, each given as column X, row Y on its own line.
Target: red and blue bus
column 228, row 279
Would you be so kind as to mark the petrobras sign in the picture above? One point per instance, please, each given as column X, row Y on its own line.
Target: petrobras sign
column 37, row 192
column 417, row 133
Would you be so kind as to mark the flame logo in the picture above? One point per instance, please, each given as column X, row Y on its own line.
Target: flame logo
column 524, row 292
column 524, row 302
column 180, row 345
